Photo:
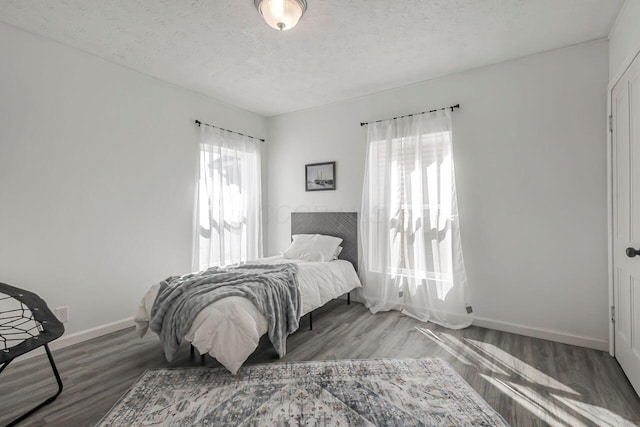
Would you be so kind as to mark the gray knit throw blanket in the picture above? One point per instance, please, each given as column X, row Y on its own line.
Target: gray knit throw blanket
column 273, row 288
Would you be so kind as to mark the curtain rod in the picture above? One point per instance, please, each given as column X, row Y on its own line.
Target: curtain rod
column 453, row 107
column 199, row 123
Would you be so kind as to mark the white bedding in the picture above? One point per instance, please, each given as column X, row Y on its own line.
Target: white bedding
column 230, row 329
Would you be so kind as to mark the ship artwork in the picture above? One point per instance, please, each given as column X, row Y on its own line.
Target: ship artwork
column 320, row 176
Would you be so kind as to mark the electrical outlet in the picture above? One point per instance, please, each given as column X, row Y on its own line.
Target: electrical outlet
column 62, row 313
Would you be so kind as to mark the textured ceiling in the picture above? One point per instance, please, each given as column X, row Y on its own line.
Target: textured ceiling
column 339, row 50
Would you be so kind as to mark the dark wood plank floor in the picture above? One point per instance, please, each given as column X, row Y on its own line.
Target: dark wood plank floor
column 531, row 382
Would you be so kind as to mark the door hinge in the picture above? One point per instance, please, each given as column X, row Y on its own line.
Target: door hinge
column 611, row 123
column 613, row 313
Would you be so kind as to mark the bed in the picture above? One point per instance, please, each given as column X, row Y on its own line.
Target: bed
column 230, row 329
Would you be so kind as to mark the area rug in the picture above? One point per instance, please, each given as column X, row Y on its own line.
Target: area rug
column 424, row 392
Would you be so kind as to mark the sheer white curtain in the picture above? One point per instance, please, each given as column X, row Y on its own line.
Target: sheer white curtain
column 228, row 225
column 412, row 254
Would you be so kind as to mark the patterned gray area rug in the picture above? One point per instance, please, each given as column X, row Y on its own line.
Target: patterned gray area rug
column 426, row 392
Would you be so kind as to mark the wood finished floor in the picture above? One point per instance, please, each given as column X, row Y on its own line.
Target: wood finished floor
column 531, row 382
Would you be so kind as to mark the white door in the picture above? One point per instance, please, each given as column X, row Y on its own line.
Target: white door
column 625, row 108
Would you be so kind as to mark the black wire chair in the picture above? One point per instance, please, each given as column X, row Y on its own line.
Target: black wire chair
column 26, row 323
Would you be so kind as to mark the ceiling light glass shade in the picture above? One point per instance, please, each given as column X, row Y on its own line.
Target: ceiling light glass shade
column 281, row 14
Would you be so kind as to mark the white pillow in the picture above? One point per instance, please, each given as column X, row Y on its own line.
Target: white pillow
column 313, row 247
column 335, row 256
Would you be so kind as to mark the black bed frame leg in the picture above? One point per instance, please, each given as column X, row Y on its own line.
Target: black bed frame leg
column 49, row 400
column 192, row 351
column 311, row 321
column 348, row 298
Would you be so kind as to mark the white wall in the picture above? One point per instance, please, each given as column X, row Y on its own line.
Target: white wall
column 97, row 174
column 624, row 40
column 530, row 158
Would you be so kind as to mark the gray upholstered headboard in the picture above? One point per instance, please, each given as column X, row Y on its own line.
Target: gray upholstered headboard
column 339, row 224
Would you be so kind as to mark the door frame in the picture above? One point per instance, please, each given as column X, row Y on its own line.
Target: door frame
column 612, row 83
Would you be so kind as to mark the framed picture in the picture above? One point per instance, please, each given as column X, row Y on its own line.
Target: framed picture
column 320, row 176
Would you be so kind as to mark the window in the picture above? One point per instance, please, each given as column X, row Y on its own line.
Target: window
column 409, row 221
column 409, row 196
column 228, row 227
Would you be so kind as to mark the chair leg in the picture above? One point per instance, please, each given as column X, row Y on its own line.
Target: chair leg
column 4, row 366
column 49, row 400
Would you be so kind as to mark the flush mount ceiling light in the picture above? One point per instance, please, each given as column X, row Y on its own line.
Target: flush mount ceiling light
column 281, row 14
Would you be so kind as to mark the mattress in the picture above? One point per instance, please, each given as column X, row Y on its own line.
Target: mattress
column 230, row 329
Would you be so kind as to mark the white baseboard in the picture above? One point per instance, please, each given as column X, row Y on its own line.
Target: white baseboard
column 545, row 334
column 581, row 341
column 78, row 337
column 529, row 331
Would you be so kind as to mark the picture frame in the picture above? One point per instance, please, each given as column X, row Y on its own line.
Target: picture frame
column 320, row 176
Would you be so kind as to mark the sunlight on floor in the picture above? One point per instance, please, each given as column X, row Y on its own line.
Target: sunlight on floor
column 601, row 416
column 522, row 369
column 429, row 334
column 534, row 403
column 543, row 396
column 482, row 361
